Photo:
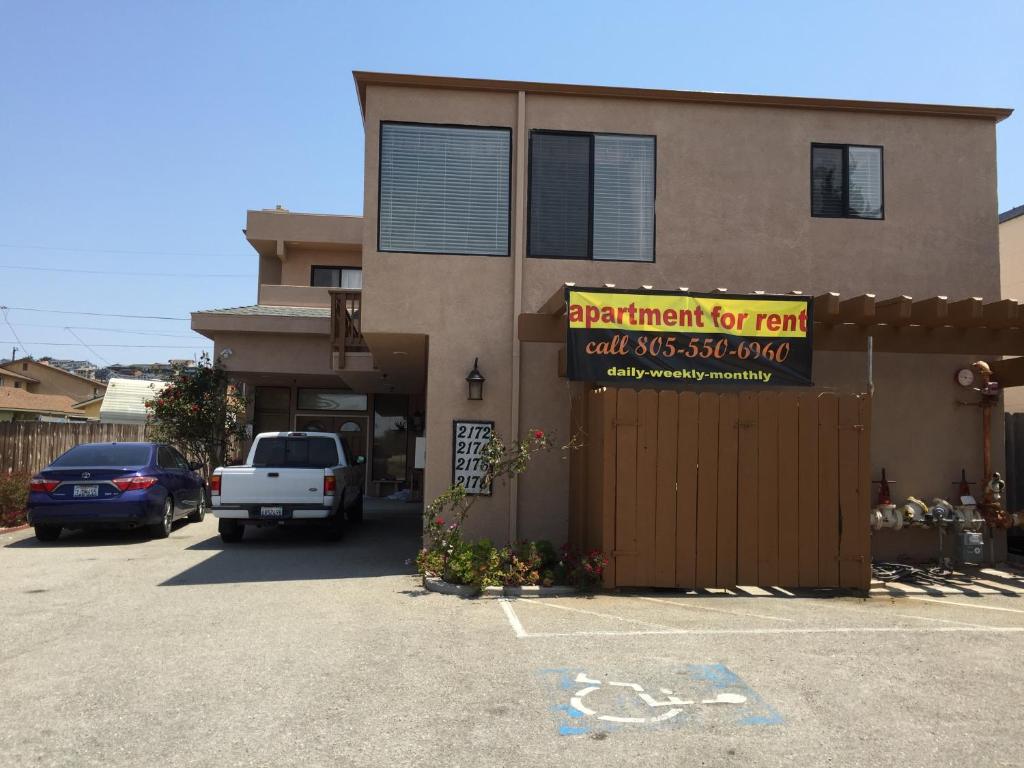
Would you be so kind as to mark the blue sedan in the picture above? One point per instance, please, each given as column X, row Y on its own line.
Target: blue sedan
column 116, row 485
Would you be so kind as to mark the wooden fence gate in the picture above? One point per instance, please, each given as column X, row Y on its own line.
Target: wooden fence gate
column 680, row 489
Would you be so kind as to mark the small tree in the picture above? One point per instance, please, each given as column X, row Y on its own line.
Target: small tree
column 200, row 412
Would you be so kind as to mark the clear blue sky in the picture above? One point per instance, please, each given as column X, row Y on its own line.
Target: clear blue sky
column 149, row 128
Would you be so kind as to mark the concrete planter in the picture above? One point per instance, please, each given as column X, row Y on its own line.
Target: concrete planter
column 434, row 584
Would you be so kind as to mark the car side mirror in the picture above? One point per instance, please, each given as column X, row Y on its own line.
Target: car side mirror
column 360, row 459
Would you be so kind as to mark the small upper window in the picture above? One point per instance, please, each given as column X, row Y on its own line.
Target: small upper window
column 336, row 277
column 846, row 181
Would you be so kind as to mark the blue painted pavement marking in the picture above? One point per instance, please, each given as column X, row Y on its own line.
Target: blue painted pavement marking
column 697, row 696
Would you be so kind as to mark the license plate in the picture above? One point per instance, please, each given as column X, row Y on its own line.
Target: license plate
column 271, row 511
column 86, row 491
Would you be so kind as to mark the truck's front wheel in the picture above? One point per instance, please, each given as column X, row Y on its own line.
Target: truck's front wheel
column 231, row 531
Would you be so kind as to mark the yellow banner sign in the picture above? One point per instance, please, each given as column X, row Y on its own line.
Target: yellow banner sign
column 688, row 313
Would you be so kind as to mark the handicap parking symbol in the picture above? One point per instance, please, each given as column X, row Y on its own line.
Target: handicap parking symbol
column 699, row 693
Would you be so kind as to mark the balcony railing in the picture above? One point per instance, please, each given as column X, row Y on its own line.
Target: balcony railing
column 346, row 336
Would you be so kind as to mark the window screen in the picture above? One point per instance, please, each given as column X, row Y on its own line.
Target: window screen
column 624, row 198
column 846, row 181
column 591, row 196
column 560, row 195
column 444, row 189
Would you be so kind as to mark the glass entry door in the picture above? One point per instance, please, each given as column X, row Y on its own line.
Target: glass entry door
column 351, row 430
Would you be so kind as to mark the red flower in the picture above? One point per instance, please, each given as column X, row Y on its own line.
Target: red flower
column 439, row 521
column 538, row 434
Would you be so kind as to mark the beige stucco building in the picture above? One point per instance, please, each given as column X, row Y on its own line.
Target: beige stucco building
column 1011, row 262
column 370, row 324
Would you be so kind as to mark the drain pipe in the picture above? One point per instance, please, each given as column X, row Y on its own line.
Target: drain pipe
column 871, row 365
column 518, row 260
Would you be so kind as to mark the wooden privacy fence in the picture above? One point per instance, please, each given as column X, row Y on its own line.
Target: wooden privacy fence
column 763, row 488
column 28, row 446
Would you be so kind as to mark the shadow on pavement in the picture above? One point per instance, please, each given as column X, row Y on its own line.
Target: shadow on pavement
column 389, row 536
column 97, row 537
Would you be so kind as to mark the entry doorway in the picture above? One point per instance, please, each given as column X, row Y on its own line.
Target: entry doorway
column 351, row 430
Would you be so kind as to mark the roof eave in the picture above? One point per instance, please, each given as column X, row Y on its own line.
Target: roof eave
column 363, row 79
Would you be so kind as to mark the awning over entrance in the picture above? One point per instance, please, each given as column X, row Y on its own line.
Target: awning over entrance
column 897, row 324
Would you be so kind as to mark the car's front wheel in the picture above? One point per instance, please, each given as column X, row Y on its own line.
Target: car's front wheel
column 48, row 532
column 200, row 513
column 231, row 531
column 162, row 529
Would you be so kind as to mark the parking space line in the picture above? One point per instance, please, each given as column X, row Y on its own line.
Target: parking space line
column 682, row 604
column 968, row 629
column 965, row 605
column 602, row 615
column 513, row 619
column 936, row 618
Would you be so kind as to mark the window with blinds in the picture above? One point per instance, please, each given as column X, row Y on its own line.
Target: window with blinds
column 591, row 196
column 444, row 189
column 846, row 181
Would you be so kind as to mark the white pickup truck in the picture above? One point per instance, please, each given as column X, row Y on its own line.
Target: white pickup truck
column 289, row 477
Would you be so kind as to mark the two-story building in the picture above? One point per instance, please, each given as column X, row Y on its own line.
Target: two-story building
column 33, row 389
column 482, row 198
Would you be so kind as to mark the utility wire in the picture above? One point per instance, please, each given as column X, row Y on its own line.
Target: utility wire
column 111, row 330
column 122, row 272
column 123, row 252
column 21, row 344
column 96, row 314
column 79, row 339
column 133, row 346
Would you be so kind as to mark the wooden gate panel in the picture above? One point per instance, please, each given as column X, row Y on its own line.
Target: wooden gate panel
column 851, row 518
column 746, row 481
column 728, row 454
column 789, row 478
column 602, row 416
column 665, row 504
column 828, row 491
column 707, row 489
column 768, row 488
column 807, row 493
column 646, row 483
column 625, row 488
column 686, row 490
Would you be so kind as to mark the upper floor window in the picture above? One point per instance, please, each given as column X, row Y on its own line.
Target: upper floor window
column 444, row 189
column 591, row 196
column 336, row 277
column 846, row 181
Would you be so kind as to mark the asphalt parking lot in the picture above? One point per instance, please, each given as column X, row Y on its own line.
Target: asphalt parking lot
column 286, row 651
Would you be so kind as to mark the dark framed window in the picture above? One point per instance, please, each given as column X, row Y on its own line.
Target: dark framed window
column 847, row 181
column 336, row 277
column 591, row 196
column 444, row 189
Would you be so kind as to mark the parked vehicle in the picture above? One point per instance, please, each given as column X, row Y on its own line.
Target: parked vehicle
column 289, row 477
column 116, row 485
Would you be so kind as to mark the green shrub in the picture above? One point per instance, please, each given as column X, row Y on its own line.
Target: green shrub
column 13, row 498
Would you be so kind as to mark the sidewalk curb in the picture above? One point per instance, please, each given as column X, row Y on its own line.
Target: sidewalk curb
column 434, row 584
column 15, row 529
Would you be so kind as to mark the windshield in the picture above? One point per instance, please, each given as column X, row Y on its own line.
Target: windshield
column 105, row 455
column 308, row 452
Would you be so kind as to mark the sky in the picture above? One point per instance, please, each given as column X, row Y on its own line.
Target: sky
column 134, row 136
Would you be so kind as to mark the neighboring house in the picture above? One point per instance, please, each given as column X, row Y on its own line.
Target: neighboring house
column 1011, row 262
column 482, row 198
column 45, row 379
column 90, row 408
column 125, row 400
column 19, row 405
column 16, row 380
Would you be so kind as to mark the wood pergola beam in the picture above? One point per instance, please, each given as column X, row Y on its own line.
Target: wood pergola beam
column 966, row 312
column 859, row 310
column 930, row 312
column 894, row 311
column 826, row 308
column 1001, row 314
column 916, row 339
column 1009, row 372
column 555, row 305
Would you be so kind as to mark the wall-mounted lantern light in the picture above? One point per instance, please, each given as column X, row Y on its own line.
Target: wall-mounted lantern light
column 476, row 380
